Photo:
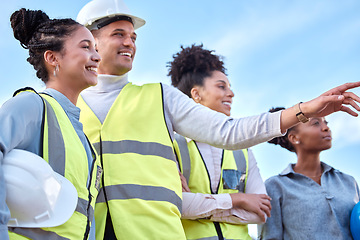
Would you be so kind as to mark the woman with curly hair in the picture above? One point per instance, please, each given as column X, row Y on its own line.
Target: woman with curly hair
column 47, row 124
column 225, row 190
column 310, row 199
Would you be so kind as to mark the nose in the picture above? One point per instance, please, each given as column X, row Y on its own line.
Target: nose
column 231, row 93
column 128, row 41
column 96, row 57
column 325, row 127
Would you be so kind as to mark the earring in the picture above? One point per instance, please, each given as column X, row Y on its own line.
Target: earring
column 297, row 142
column 56, row 69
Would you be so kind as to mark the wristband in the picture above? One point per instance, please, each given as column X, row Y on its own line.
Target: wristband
column 300, row 115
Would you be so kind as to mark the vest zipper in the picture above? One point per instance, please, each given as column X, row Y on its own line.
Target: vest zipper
column 216, row 224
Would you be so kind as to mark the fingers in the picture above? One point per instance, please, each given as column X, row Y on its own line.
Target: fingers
column 348, row 110
column 266, row 207
column 342, row 88
column 352, row 96
column 185, row 187
column 261, row 215
column 350, row 99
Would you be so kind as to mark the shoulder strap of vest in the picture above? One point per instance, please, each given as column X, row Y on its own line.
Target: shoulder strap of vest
column 56, row 156
column 241, row 164
column 30, row 89
column 185, row 156
column 240, row 160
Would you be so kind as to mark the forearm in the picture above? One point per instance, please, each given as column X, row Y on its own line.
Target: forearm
column 198, row 205
column 237, row 216
column 216, row 207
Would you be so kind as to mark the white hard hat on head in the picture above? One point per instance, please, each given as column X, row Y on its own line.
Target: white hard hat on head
column 35, row 194
column 99, row 13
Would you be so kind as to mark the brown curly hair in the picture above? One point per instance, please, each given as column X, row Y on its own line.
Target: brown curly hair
column 191, row 65
column 38, row 33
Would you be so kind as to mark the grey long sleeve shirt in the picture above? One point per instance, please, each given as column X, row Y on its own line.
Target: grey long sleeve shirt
column 303, row 209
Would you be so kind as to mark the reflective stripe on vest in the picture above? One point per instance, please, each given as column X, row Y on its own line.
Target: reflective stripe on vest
column 129, row 191
column 35, row 233
column 141, row 188
column 185, row 158
column 199, row 182
column 130, row 146
column 63, row 150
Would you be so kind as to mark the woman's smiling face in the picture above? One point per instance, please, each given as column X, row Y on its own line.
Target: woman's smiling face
column 216, row 93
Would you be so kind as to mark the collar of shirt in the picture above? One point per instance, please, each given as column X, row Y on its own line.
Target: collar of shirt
column 70, row 109
column 109, row 83
column 289, row 169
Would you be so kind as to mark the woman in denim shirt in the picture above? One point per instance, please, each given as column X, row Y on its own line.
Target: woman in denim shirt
column 310, row 199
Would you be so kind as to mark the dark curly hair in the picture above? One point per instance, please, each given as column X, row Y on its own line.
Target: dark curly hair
column 191, row 65
column 284, row 140
column 38, row 33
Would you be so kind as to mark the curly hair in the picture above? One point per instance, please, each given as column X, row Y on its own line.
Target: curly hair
column 192, row 65
column 283, row 141
column 38, row 33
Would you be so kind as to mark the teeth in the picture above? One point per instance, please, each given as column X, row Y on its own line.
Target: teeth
column 227, row 103
column 94, row 69
column 126, row 54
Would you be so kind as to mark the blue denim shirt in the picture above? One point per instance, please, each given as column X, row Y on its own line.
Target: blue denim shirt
column 20, row 127
column 303, row 209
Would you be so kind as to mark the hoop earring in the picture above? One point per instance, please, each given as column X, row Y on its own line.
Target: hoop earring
column 56, row 69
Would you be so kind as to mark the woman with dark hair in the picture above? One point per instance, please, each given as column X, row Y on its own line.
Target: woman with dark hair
column 310, row 199
column 226, row 191
column 63, row 54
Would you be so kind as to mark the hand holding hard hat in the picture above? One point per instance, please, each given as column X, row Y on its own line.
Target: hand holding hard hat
column 35, row 194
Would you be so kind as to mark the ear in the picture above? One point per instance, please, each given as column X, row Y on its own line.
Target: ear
column 195, row 94
column 293, row 138
column 51, row 58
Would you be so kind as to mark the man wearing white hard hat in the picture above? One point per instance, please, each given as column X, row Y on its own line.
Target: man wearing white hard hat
column 132, row 128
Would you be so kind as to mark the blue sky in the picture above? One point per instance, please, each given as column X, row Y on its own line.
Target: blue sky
column 277, row 53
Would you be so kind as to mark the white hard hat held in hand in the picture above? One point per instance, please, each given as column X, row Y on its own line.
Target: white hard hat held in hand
column 35, row 194
column 98, row 13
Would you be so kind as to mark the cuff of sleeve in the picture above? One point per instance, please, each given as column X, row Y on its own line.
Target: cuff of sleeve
column 274, row 123
column 223, row 201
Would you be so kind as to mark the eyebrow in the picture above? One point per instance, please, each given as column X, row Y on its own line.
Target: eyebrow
column 85, row 40
column 223, row 81
column 122, row 30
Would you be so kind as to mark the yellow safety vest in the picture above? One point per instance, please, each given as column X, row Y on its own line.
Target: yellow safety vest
column 234, row 173
column 141, row 188
column 63, row 150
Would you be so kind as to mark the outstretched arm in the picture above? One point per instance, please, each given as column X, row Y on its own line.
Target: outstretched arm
column 327, row 103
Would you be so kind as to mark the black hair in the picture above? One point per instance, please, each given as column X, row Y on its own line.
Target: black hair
column 38, row 33
column 283, row 141
column 191, row 65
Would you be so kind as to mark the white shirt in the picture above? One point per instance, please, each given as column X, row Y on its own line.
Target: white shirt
column 219, row 206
